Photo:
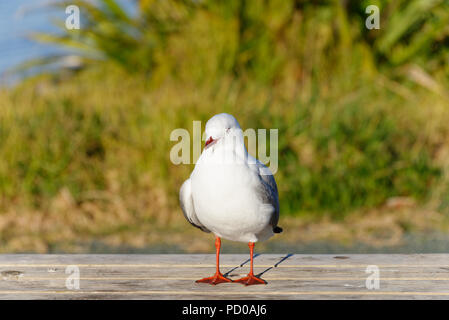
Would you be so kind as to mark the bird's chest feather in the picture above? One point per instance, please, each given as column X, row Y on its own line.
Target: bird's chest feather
column 226, row 185
column 225, row 196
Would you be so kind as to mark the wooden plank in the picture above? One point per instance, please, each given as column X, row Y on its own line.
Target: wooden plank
column 168, row 276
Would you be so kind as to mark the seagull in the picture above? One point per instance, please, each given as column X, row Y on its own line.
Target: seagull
column 231, row 194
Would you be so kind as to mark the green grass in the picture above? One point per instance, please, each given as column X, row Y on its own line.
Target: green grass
column 338, row 151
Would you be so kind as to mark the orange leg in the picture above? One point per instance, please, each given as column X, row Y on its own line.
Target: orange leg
column 251, row 279
column 217, row 277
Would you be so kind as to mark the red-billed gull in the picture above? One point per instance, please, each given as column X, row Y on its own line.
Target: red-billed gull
column 230, row 193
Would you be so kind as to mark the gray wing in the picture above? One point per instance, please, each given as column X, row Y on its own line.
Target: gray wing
column 269, row 193
column 186, row 201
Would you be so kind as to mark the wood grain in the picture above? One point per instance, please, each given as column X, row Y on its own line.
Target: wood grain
column 167, row 276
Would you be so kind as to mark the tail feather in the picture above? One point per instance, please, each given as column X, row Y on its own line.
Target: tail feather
column 277, row 229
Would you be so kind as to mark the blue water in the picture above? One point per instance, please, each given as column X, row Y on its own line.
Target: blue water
column 20, row 18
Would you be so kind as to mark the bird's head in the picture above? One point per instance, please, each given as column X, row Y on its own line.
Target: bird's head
column 220, row 126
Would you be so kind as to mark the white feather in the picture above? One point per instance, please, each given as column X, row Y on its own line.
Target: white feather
column 228, row 191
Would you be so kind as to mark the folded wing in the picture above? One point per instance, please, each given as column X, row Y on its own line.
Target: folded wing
column 188, row 209
column 268, row 191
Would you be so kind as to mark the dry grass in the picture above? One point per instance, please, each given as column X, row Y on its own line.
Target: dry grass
column 70, row 227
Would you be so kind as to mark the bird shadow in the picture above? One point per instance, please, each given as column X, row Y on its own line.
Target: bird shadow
column 263, row 272
column 241, row 265
column 275, row 265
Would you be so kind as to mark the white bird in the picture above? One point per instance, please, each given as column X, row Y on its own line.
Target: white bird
column 230, row 193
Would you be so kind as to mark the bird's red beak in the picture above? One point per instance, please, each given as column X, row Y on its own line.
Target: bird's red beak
column 209, row 141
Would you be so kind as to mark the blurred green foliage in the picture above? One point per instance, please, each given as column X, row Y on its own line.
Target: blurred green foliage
column 361, row 113
column 260, row 38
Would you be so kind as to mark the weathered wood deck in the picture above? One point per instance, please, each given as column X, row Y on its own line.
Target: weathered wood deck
column 166, row 276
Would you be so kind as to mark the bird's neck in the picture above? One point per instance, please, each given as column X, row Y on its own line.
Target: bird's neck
column 234, row 146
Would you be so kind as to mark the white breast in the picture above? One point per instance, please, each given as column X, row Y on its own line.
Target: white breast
column 225, row 198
